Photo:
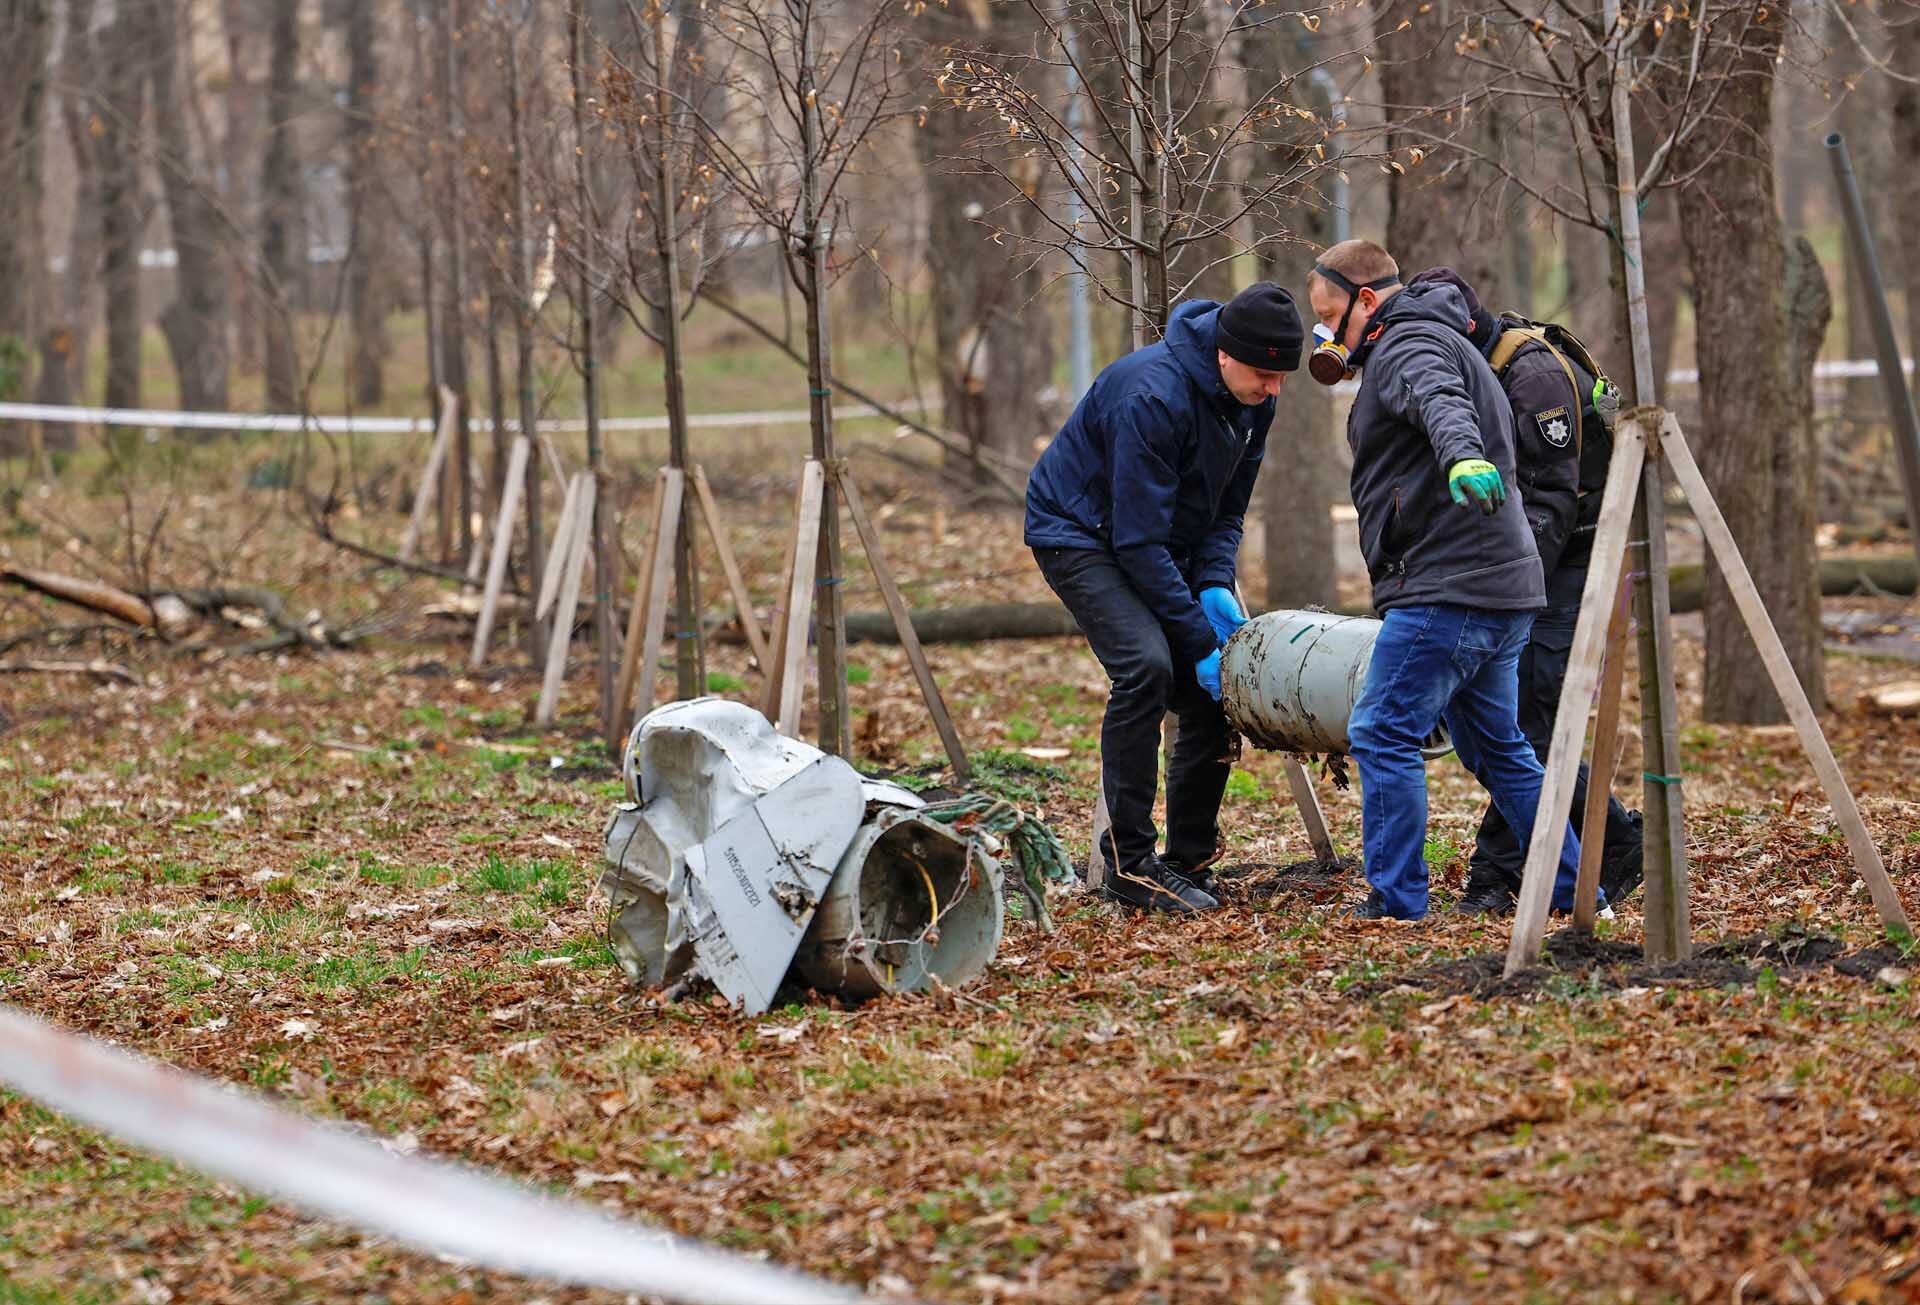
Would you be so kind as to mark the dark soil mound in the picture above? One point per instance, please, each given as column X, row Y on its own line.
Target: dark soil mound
column 1578, row 962
column 1315, row 879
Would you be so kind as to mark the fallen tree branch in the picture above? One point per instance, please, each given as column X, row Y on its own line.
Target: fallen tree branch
column 91, row 594
column 56, row 635
column 98, row 667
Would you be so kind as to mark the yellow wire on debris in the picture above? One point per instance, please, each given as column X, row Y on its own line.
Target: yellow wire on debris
column 933, row 898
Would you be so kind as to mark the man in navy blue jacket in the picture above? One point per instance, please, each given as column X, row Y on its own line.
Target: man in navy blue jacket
column 1134, row 514
column 1456, row 573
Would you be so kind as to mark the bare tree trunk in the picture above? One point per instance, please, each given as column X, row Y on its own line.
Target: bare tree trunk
column 1448, row 210
column 246, row 47
column 577, row 50
column 993, row 354
column 195, row 323
column 280, row 193
column 63, row 348
column 689, row 646
column 496, row 395
column 26, row 27
column 523, row 266
column 1904, row 131
column 123, row 207
column 1751, row 402
column 366, row 302
column 453, row 312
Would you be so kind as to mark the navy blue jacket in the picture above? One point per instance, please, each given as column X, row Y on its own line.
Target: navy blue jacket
column 1156, row 465
column 1427, row 400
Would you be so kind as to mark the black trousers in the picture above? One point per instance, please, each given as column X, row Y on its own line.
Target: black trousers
column 1498, row 856
column 1149, row 680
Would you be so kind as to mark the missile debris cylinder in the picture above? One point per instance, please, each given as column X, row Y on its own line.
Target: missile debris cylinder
column 1289, row 680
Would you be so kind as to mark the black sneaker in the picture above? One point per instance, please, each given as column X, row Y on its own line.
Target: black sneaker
column 1155, row 886
column 1485, row 897
column 1201, row 877
column 1374, row 908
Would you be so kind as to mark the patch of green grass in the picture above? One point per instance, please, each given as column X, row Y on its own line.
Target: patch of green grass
column 858, row 674
column 426, row 715
column 585, row 953
column 1011, row 775
column 721, row 682
column 1245, row 786
column 364, row 969
column 374, row 871
column 1022, row 730
column 548, row 882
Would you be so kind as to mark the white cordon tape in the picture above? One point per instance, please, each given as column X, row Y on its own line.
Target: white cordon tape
column 432, row 1205
column 240, row 421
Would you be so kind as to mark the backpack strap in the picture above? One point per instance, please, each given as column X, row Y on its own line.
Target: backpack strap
column 1512, row 341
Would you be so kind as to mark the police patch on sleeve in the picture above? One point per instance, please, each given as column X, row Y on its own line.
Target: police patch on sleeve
column 1555, row 426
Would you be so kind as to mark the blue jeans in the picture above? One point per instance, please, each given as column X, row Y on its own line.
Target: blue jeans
column 1460, row 664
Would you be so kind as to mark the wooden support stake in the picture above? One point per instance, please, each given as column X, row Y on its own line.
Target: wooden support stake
column 735, row 581
column 429, row 490
column 777, row 617
column 1583, row 676
column 557, row 555
column 806, row 542
column 636, row 619
column 902, row 621
column 639, row 661
column 1753, row 609
column 502, row 547
column 477, row 528
column 578, row 544
column 1311, row 813
column 1606, row 754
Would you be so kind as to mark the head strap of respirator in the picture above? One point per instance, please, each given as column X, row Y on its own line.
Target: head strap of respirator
column 1328, row 362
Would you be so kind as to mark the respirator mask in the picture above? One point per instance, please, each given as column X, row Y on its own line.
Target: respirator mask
column 1328, row 363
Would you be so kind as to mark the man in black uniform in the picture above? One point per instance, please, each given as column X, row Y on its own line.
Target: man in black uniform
column 1560, row 480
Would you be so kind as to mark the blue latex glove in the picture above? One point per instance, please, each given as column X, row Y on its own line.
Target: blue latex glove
column 1207, row 671
column 1482, row 480
column 1223, row 611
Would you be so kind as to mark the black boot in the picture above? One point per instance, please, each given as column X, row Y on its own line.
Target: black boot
column 1621, row 868
column 1155, row 886
column 1485, row 894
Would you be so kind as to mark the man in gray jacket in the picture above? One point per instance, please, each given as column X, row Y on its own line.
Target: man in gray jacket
column 1456, row 575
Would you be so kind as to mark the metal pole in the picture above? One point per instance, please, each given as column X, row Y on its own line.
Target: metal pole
column 1866, row 262
column 1668, row 926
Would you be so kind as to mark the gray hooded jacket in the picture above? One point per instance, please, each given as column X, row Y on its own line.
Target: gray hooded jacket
column 1428, row 400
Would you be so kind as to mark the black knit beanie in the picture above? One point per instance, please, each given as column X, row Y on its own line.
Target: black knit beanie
column 1261, row 328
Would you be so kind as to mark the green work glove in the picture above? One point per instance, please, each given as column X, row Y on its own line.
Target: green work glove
column 1481, row 479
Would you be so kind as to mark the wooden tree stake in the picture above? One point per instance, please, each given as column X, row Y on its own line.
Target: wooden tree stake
column 806, row 542
column 550, row 574
column 1583, row 675
column 502, row 546
column 648, row 619
column 1606, row 754
column 902, row 621
column 1312, row 815
column 578, row 543
column 429, row 490
column 1753, row 610
column 742, row 600
column 775, row 666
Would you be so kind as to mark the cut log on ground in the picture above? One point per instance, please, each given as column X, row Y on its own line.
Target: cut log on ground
column 1839, row 576
column 1902, row 699
column 90, row 594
